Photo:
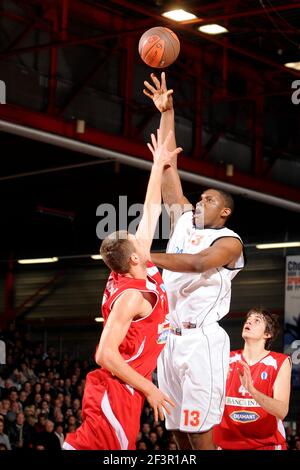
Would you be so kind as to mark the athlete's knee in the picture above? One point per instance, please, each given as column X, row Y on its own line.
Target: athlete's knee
column 202, row 441
column 182, row 440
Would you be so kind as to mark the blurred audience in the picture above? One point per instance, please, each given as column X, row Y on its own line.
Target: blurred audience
column 40, row 401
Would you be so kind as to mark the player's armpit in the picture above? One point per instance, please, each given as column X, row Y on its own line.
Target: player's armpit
column 129, row 305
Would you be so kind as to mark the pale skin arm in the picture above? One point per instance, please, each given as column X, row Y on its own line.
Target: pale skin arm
column 221, row 253
column 152, row 205
column 278, row 405
column 108, row 355
column 162, row 99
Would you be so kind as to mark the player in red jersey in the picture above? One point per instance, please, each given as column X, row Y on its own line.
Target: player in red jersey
column 257, row 391
column 134, row 310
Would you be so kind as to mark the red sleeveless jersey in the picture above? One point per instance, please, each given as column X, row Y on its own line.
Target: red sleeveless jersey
column 111, row 409
column 146, row 336
column 245, row 425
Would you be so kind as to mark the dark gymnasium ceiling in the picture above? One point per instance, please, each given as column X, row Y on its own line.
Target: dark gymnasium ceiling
column 69, row 60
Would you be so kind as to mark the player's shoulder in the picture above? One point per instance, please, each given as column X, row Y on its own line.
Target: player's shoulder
column 185, row 218
column 279, row 357
column 273, row 360
column 228, row 232
column 130, row 295
column 235, row 356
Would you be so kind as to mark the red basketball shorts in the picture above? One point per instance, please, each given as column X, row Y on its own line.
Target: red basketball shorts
column 111, row 413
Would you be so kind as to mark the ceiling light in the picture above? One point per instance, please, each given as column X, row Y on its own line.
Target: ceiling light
column 293, row 65
column 179, row 15
column 268, row 246
column 212, row 29
column 38, row 260
column 99, row 319
column 96, row 256
column 80, row 126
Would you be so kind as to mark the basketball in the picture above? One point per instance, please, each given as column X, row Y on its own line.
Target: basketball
column 159, row 47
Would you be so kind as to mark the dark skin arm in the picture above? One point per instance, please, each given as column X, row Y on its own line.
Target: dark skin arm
column 162, row 98
column 222, row 253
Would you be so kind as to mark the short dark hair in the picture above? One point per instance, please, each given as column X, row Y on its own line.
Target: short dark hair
column 271, row 321
column 116, row 250
column 228, row 199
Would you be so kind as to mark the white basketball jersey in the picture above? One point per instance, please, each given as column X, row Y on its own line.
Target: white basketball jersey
column 200, row 298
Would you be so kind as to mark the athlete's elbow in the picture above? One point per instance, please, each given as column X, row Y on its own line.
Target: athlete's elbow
column 104, row 357
column 196, row 266
column 282, row 413
column 99, row 359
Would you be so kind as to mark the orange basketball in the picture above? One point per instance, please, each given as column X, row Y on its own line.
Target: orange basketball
column 159, row 47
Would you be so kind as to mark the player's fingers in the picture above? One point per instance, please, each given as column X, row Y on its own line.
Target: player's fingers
column 155, row 412
column 168, row 399
column 243, row 363
column 163, row 80
column 159, row 137
column 245, row 366
column 177, row 151
column 161, row 413
column 147, row 93
column 168, row 138
column 155, row 81
column 154, row 143
column 170, row 92
column 167, row 409
column 149, row 86
column 150, row 148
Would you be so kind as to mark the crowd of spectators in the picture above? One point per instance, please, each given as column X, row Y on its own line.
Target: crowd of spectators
column 41, row 397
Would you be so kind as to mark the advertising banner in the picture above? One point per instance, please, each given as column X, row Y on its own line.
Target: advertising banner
column 292, row 315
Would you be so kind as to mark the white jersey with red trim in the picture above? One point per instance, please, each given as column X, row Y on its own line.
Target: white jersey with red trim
column 199, row 298
column 245, row 424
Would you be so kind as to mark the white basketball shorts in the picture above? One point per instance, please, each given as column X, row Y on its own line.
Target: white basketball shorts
column 192, row 371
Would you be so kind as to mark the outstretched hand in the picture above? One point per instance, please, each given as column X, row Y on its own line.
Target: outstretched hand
column 159, row 402
column 159, row 149
column 158, row 92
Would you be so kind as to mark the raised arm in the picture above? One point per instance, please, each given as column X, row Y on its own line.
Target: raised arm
column 128, row 306
column 152, row 205
column 162, row 99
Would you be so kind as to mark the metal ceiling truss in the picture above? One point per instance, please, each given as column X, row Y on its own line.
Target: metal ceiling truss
column 124, row 147
column 56, row 22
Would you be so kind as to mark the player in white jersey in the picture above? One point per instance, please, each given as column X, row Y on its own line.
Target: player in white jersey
column 203, row 256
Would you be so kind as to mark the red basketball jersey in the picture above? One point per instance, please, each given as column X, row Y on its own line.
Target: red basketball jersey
column 245, row 425
column 111, row 409
column 146, row 336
